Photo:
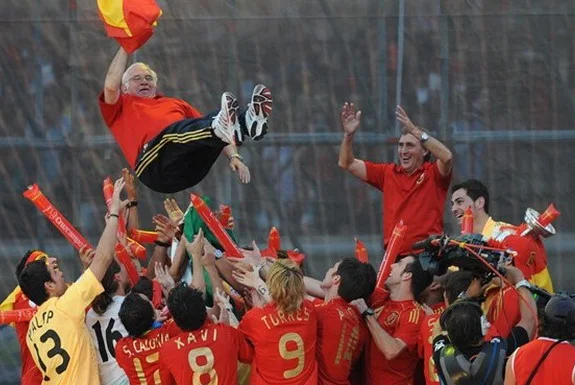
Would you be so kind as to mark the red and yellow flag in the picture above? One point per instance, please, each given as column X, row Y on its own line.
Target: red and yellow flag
column 130, row 22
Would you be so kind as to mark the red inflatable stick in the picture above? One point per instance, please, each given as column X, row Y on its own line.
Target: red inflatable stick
column 143, row 236
column 23, row 315
column 215, row 227
column 391, row 253
column 36, row 196
column 360, row 251
column 274, row 240
column 467, row 222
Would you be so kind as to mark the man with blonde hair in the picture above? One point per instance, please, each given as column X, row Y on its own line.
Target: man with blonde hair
column 169, row 144
column 283, row 332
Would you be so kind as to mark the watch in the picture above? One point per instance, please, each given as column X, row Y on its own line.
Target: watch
column 367, row 312
column 424, row 137
column 218, row 253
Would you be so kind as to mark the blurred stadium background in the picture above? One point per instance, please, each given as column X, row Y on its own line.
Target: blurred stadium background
column 494, row 79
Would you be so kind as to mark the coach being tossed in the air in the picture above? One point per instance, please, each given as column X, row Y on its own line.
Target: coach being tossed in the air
column 414, row 189
column 168, row 143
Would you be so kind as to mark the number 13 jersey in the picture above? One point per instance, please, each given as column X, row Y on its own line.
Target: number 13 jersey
column 284, row 345
column 58, row 338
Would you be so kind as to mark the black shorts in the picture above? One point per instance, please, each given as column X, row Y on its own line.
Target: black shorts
column 180, row 156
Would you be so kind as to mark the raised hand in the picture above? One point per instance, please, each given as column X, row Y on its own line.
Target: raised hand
column 406, row 123
column 247, row 275
column 243, row 171
column 166, row 228
column 253, row 257
column 173, row 210
column 117, row 203
column 164, row 278
column 86, row 256
column 196, row 247
column 350, row 118
column 130, row 185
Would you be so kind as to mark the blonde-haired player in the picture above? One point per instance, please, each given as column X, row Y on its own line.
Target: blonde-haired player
column 283, row 332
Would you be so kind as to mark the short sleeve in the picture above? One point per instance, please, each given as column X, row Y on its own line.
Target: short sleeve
column 375, row 173
column 409, row 327
column 443, row 181
column 80, row 295
column 246, row 325
column 110, row 112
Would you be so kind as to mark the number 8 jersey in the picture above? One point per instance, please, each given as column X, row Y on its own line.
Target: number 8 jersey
column 284, row 345
column 58, row 338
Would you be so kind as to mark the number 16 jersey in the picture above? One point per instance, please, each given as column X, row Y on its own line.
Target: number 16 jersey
column 284, row 345
column 58, row 338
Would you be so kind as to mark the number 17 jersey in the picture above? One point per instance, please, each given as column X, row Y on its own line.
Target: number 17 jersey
column 284, row 345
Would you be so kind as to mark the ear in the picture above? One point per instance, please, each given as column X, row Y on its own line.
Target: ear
column 434, row 286
column 117, row 277
column 336, row 279
column 479, row 203
column 124, row 89
column 50, row 286
column 406, row 276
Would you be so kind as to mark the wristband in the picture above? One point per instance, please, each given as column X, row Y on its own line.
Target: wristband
column 114, row 215
column 236, row 155
column 523, row 283
column 132, row 204
column 162, row 244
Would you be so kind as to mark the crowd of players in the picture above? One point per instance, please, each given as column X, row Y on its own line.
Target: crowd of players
column 178, row 325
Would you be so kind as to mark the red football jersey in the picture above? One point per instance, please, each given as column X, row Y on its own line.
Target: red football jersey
column 425, row 345
column 206, row 356
column 340, row 339
column 557, row 368
column 31, row 375
column 401, row 319
column 502, row 311
column 285, row 345
column 140, row 357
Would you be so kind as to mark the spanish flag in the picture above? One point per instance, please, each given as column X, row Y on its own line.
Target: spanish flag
column 130, row 22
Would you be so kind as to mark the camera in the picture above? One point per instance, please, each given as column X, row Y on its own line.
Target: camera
column 441, row 251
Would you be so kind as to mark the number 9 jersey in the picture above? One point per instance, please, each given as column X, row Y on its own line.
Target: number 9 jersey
column 58, row 338
column 285, row 345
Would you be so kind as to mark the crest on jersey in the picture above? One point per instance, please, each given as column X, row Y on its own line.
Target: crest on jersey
column 391, row 319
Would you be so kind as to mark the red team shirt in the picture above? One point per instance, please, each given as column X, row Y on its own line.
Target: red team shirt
column 556, row 369
column 140, row 357
column 425, row 345
column 502, row 311
column 285, row 345
column 206, row 356
column 31, row 375
column 134, row 120
column 341, row 335
column 417, row 199
column 401, row 319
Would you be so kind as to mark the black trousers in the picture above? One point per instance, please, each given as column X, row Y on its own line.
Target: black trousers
column 180, row 156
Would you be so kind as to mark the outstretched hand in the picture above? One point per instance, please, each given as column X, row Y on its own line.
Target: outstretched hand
column 350, row 118
column 406, row 123
column 243, row 171
column 173, row 210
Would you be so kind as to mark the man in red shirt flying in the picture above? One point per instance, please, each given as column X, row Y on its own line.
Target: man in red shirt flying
column 394, row 324
column 168, row 143
column 415, row 189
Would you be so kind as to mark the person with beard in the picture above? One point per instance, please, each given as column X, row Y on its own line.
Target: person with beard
column 105, row 326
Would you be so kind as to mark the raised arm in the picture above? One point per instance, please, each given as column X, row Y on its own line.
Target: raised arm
column 113, row 80
column 350, row 120
column 106, row 245
column 132, row 208
column 437, row 149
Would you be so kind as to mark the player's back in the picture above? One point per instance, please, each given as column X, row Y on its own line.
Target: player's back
column 59, row 339
column 340, row 339
column 140, row 357
column 205, row 356
column 106, row 330
column 284, row 345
